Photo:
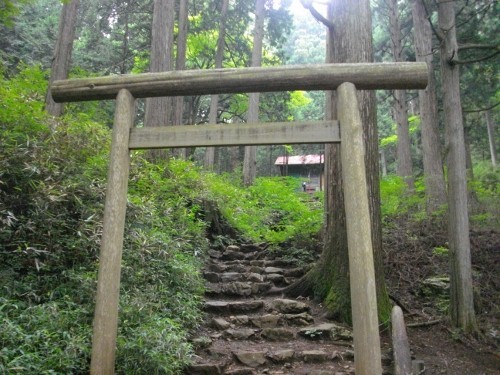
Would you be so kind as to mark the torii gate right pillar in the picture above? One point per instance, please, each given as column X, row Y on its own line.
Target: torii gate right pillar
column 359, row 239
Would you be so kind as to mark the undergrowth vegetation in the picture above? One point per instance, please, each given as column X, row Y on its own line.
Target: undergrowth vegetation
column 270, row 210
column 52, row 189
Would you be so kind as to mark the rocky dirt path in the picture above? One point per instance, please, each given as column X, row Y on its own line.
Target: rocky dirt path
column 251, row 329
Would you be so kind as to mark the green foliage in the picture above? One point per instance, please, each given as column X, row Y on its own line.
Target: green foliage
column 9, row 10
column 441, row 251
column 52, row 179
column 487, row 179
column 55, row 334
column 396, row 200
column 392, row 140
column 272, row 209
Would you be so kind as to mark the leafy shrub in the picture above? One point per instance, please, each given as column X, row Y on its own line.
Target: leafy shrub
column 52, row 183
column 271, row 210
column 396, row 200
column 48, row 338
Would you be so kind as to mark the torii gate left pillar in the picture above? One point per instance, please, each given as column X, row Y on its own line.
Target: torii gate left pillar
column 108, row 286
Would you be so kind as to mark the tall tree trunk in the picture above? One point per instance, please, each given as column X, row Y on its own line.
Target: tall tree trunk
column 461, row 300
column 383, row 162
column 329, row 279
column 180, row 64
column 491, row 137
column 435, row 190
column 62, row 52
column 250, row 159
column 209, row 160
column 158, row 111
column 400, row 107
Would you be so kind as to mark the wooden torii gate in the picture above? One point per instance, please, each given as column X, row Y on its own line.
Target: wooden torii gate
column 345, row 78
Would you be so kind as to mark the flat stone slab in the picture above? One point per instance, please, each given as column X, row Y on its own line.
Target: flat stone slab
column 269, row 270
column 251, row 359
column 313, row 356
column 275, row 278
column 233, row 248
column 237, row 267
column 240, row 319
column 277, row 334
column 289, row 306
column 256, row 269
column 220, row 324
column 258, row 263
column 250, row 248
column 281, row 356
column 266, row 321
column 328, row 331
column 212, row 277
column 255, row 277
column 202, row 342
column 239, row 334
column 231, row 276
column 232, row 255
column 235, row 307
column 302, row 319
column 214, row 254
column 237, row 288
column 216, row 267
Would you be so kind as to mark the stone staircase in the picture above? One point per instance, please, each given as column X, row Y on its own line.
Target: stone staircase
column 252, row 329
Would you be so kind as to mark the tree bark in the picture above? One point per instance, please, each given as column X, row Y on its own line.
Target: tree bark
column 250, row 159
column 62, row 53
column 435, row 190
column 491, row 137
column 158, row 111
column 180, row 64
column 329, row 279
column 383, row 162
column 461, row 299
column 209, row 160
column 400, row 108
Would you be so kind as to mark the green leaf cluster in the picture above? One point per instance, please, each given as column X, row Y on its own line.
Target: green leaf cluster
column 52, row 185
column 396, row 200
column 272, row 210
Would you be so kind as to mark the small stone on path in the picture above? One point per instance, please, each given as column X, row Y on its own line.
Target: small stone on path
column 290, row 306
column 251, row 359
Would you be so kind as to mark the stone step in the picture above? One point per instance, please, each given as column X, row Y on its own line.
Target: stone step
column 237, row 288
column 280, row 263
column 224, row 277
column 233, row 307
column 263, row 321
column 253, row 330
column 231, row 255
column 326, row 331
column 272, row 357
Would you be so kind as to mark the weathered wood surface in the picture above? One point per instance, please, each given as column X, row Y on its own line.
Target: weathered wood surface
column 108, row 278
column 367, row 76
column 359, row 240
column 400, row 344
column 234, row 135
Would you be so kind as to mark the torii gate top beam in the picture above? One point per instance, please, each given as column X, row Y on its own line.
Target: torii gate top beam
column 366, row 76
